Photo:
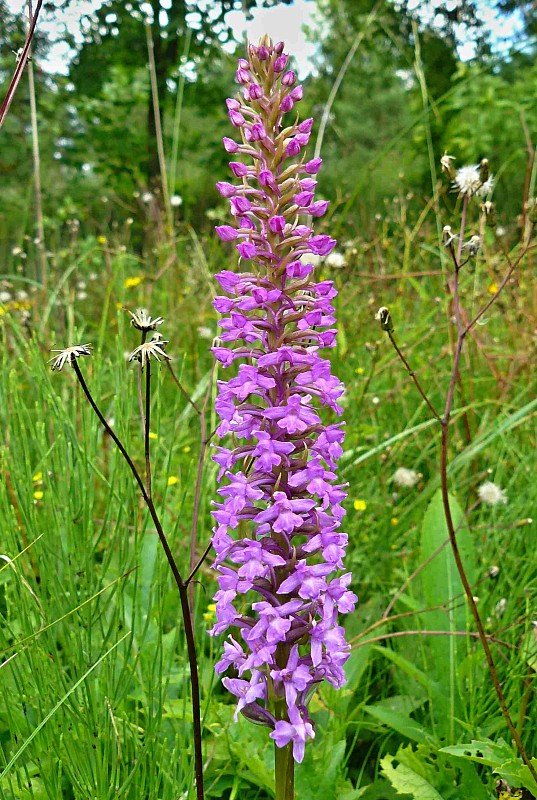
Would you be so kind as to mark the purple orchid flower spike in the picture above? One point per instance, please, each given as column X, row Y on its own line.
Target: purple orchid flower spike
column 277, row 537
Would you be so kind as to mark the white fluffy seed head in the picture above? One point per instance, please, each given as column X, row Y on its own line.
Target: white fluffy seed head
column 491, row 494
column 405, row 477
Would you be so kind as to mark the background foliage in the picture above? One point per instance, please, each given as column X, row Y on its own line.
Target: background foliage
column 93, row 678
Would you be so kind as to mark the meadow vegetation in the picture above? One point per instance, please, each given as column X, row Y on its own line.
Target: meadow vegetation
column 94, row 676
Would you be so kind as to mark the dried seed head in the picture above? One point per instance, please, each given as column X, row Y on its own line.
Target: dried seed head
column 68, row 355
column 447, row 166
column 154, row 348
column 489, row 210
column 448, row 237
column 141, row 320
column 472, row 245
column 384, row 317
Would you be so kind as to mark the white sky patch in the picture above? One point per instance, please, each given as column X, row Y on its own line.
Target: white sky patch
column 280, row 22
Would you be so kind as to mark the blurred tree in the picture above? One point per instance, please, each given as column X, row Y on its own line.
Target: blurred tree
column 115, row 47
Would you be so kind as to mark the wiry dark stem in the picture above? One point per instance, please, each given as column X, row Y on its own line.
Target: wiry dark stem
column 181, row 586
column 147, row 424
column 445, row 420
column 461, row 335
column 413, row 376
column 4, row 108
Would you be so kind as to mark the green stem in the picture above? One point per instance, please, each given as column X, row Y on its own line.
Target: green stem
column 284, row 772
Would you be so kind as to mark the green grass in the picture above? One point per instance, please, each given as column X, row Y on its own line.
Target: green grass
column 94, row 679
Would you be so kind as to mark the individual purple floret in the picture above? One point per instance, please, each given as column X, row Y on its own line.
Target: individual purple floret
column 277, row 537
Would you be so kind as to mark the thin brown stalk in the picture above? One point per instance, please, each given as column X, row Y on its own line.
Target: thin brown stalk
column 462, row 329
column 147, row 424
column 413, row 376
column 181, row 586
column 40, row 228
column 461, row 334
column 17, row 75
column 158, row 124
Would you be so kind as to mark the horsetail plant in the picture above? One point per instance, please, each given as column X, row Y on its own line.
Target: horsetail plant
column 277, row 537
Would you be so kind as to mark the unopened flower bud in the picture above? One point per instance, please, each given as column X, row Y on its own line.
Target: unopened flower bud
column 385, row 319
column 484, row 170
column 289, row 79
column 447, row 166
column 280, row 63
column 255, row 91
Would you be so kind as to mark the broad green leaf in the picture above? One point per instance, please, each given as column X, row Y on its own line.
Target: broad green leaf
column 441, row 586
column 484, row 752
column 406, row 781
column 499, row 756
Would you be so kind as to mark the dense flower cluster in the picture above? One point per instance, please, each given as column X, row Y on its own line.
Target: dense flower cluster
column 277, row 536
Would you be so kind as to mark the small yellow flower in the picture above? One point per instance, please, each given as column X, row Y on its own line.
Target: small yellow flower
column 187, row 448
column 359, row 370
column 360, row 505
column 119, row 306
column 152, row 435
column 101, row 239
column 210, row 613
column 493, row 288
column 38, row 495
column 130, row 283
column 395, row 520
column 172, row 480
column 38, row 477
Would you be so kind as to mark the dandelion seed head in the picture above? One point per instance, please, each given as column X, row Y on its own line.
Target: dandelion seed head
column 467, row 180
column 491, row 494
column 335, row 260
column 405, row 477
column 204, row 332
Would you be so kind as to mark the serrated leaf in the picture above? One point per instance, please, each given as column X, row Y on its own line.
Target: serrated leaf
column 406, row 781
column 484, row 752
column 518, row 774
